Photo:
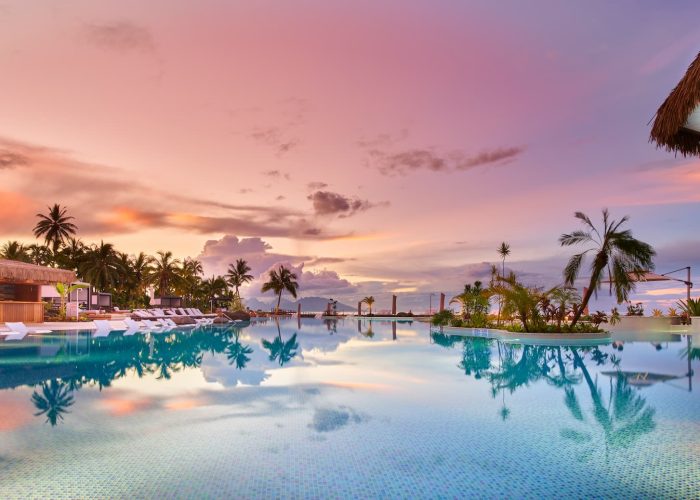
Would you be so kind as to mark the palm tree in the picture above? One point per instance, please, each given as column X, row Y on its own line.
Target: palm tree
column 616, row 252
column 369, row 301
column 280, row 280
column 237, row 275
column 165, row 272
column 140, row 268
column 213, row 288
column 503, row 251
column 14, row 250
column 40, row 254
column 190, row 281
column 55, row 227
column 101, row 266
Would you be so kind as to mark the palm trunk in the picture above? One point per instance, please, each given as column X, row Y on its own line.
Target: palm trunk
column 279, row 299
column 584, row 303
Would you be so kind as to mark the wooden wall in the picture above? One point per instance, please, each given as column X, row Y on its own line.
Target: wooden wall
column 28, row 312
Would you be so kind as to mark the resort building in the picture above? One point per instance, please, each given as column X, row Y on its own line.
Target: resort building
column 20, row 289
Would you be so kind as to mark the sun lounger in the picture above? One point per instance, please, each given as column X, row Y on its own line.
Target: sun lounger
column 22, row 328
column 11, row 335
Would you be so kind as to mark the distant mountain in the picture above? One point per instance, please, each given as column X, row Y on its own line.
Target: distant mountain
column 308, row 304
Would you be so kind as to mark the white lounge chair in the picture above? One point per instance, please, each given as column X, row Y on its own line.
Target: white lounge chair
column 22, row 328
column 134, row 325
column 153, row 326
column 104, row 328
column 12, row 335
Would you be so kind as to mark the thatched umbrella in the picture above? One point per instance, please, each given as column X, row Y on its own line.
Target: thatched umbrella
column 677, row 122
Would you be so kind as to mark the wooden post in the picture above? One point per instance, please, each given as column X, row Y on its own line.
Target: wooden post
column 359, row 308
column 442, row 302
column 393, row 305
column 299, row 309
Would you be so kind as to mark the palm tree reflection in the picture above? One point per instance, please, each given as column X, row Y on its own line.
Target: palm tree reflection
column 237, row 353
column 281, row 351
column 53, row 401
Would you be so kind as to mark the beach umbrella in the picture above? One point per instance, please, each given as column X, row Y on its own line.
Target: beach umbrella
column 676, row 125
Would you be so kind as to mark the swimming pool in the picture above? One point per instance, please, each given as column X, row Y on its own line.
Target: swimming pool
column 345, row 408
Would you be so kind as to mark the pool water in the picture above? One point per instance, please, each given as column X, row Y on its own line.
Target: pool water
column 346, row 408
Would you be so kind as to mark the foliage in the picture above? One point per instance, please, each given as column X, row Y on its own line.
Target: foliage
column 521, row 301
column 657, row 313
column 64, row 292
column 280, row 280
column 598, row 318
column 238, row 275
column 442, row 318
column 474, row 301
column 635, row 309
column 691, row 306
column 14, row 250
column 672, row 312
column 614, row 316
column 616, row 252
column 369, row 301
column 55, row 227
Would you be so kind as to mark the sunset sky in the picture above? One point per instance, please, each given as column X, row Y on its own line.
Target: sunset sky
column 376, row 146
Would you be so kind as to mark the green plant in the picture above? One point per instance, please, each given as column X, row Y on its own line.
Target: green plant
column 442, row 318
column 615, row 251
column 635, row 309
column 64, row 291
column 599, row 317
column 657, row 313
column 522, row 301
column 691, row 306
column 614, row 316
column 369, row 301
column 280, row 280
column 672, row 312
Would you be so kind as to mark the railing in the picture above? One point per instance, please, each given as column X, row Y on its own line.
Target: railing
column 28, row 312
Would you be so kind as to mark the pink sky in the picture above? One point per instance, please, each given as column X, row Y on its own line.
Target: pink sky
column 392, row 144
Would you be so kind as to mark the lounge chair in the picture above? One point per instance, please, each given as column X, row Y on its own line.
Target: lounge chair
column 22, row 328
column 13, row 335
column 134, row 325
column 103, row 328
column 153, row 325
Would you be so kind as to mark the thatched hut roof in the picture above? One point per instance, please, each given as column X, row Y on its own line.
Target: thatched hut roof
column 12, row 271
column 669, row 130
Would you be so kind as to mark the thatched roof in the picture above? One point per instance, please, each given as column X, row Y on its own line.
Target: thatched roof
column 12, row 271
column 669, row 131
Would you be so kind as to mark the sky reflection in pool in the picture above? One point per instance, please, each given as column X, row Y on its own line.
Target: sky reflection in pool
column 345, row 408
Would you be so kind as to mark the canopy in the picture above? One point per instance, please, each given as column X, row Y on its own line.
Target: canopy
column 12, row 271
column 677, row 122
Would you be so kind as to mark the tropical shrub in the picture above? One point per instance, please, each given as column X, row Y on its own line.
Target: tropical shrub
column 691, row 306
column 657, row 313
column 442, row 318
column 635, row 309
column 599, row 317
column 614, row 316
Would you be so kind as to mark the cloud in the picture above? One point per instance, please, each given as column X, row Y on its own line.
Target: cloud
column 10, row 159
column 332, row 419
column 315, row 186
column 122, row 36
column 278, row 127
column 413, row 160
column 218, row 254
column 276, row 174
column 275, row 138
column 329, row 203
column 115, row 197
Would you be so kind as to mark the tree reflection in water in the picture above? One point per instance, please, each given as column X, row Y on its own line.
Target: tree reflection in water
column 621, row 418
column 237, row 353
column 53, row 400
column 281, row 351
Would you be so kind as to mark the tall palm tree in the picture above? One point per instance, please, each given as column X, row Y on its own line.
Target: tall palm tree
column 140, row 268
column 14, row 250
column 55, row 227
column 101, row 266
column 369, row 301
column 280, row 280
column 503, row 251
column 615, row 252
column 165, row 272
column 71, row 255
column 237, row 275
